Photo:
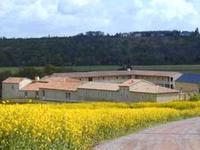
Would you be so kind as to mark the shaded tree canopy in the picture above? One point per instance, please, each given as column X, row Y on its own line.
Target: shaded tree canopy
column 97, row 48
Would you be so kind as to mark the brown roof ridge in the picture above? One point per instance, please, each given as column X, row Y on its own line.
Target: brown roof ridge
column 40, row 81
column 116, row 73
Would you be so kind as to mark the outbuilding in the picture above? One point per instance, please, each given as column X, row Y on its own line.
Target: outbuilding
column 12, row 87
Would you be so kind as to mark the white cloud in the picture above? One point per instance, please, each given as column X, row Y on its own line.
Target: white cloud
column 156, row 15
column 61, row 17
column 83, row 2
column 170, row 10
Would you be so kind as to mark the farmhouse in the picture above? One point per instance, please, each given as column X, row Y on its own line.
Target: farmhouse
column 89, row 86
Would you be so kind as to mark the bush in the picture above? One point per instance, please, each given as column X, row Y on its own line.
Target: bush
column 195, row 97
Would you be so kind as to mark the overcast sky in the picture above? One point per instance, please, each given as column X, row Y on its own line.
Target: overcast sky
column 35, row 18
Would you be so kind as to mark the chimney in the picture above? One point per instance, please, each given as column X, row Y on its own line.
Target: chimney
column 128, row 69
column 37, row 78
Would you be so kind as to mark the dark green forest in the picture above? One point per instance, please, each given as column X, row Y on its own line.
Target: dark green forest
column 94, row 48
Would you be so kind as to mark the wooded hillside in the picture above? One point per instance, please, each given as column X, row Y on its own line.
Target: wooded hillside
column 100, row 49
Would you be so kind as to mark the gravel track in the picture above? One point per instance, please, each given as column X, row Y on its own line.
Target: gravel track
column 178, row 135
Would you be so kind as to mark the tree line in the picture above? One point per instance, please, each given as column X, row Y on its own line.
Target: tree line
column 97, row 48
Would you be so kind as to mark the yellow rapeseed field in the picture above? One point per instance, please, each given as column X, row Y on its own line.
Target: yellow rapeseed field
column 80, row 126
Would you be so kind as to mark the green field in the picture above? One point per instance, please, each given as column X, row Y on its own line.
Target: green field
column 181, row 68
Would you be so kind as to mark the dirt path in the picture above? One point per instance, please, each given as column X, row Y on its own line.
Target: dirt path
column 180, row 135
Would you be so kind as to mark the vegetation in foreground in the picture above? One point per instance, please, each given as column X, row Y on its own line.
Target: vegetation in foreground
column 81, row 125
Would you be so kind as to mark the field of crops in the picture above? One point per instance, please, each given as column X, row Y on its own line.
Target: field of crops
column 81, row 125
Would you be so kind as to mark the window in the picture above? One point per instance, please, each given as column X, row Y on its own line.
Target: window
column 43, row 93
column 37, row 94
column 90, row 79
column 25, row 94
column 68, row 95
column 167, row 85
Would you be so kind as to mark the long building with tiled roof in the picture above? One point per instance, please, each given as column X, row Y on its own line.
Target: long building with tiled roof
column 162, row 78
column 65, row 87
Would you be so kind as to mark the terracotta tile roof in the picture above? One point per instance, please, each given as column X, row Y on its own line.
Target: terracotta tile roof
column 148, row 87
column 13, row 80
column 57, row 83
column 34, row 86
column 116, row 73
column 60, row 79
column 100, row 86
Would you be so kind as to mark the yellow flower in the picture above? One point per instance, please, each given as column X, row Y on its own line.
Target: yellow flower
column 81, row 125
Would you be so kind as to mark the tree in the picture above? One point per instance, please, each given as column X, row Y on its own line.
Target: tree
column 49, row 69
column 29, row 72
column 196, row 32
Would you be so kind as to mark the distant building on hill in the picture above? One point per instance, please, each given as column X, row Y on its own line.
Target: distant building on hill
column 173, row 33
column 186, row 33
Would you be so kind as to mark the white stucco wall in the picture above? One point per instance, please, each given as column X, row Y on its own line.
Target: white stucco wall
column 143, row 97
column 121, row 95
column 167, row 97
column 31, row 94
column 57, row 95
column 10, row 91
column 96, row 95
